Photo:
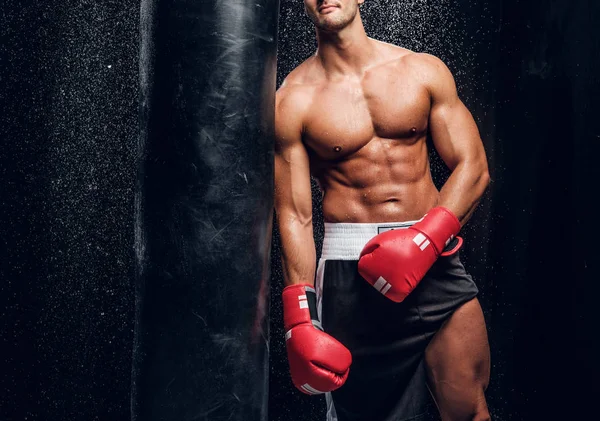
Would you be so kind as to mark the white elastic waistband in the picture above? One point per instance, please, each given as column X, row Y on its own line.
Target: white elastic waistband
column 345, row 241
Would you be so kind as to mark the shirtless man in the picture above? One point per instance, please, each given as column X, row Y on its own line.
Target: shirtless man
column 400, row 318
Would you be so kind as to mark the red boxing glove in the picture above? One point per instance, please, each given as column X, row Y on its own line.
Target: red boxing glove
column 318, row 362
column 395, row 261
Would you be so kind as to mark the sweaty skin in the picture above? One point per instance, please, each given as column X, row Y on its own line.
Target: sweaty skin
column 365, row 137
column 356, row 116
column 362, row 135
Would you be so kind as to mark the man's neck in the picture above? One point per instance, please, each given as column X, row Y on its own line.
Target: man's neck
column 348, row 51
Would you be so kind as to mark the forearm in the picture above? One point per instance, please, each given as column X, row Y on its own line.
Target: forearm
column 298, row 252
column 464, row 188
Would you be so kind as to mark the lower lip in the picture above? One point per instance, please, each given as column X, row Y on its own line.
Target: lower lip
column 328, row 9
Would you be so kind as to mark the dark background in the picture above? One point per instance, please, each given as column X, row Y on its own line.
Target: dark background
column 528, row 71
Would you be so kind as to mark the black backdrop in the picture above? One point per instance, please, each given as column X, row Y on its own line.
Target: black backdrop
column 68, row 124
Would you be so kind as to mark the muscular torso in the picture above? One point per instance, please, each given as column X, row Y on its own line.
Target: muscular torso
column 366, row 139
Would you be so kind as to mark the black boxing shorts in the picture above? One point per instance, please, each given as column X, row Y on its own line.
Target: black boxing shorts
column 387, row 380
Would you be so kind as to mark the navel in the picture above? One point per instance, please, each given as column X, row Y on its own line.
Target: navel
column 337, row 149
column 413, row 130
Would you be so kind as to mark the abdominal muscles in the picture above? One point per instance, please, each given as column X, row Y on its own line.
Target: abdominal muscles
column 387, row 180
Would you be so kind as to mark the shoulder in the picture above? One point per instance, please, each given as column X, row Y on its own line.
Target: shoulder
column 303, row 73
column 424, row 66
column 430, row 69
column 297, row 90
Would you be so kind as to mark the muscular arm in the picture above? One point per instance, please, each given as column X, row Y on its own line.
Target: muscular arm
column 293, row 198
column 456, row 139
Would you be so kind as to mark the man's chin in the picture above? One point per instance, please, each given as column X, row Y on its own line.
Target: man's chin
column 331, row 25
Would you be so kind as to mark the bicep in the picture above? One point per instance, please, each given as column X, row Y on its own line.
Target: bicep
column 453, row 130
column 292, row 167
column 454, row 133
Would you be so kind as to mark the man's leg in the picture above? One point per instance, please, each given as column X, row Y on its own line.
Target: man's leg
column 458, row 365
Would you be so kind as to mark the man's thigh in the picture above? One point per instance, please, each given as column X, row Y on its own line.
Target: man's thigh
column 458, row 364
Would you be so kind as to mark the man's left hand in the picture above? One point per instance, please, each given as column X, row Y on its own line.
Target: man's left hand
column 395, row 261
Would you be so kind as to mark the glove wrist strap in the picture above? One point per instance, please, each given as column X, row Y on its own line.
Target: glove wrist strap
column 440, row 225
column 300, row 306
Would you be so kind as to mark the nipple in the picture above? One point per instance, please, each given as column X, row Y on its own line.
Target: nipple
column 337, row 149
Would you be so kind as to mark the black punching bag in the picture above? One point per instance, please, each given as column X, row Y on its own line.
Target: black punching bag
column 204, row 209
